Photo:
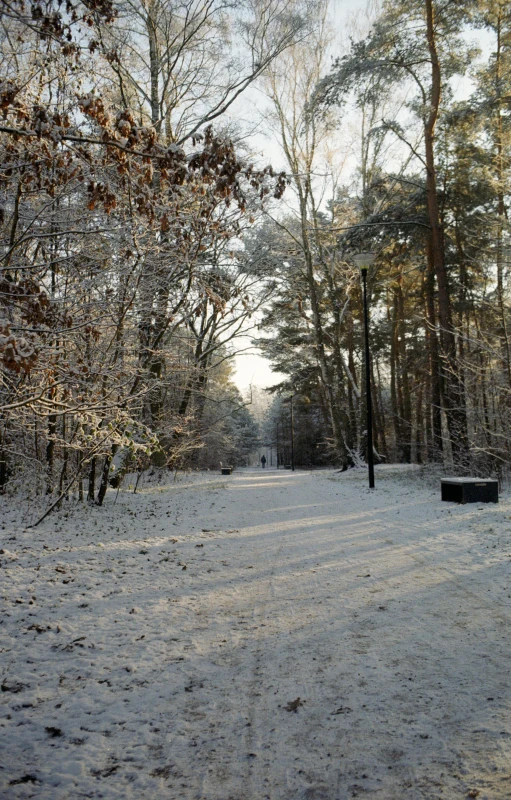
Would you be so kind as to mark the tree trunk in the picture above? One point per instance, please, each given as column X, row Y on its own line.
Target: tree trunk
column 3, row 467
column 65, row 457
column 453, row 390
column 91, row 492
column 380, row 443
column 103, row 486
column 435, row 378
column 501, row 205
column 419, row 423
column 404, row 379
column 325, row 371
column 393, row 382
column 50, row 449
column 154, row 66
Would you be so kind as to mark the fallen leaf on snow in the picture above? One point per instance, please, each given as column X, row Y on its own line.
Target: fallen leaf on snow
column 13, row 687
column 105, row 773
column 53, row 731
column 24, row 779
column 294, row 705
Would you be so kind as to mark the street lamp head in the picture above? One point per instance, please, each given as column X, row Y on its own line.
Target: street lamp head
column 364, row 260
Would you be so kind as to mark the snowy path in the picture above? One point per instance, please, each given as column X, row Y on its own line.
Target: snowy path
column 150, row 650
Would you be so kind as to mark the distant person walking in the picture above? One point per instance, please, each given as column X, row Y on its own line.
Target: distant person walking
column 263, row 461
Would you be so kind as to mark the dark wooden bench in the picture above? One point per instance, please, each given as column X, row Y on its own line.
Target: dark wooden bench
column 470, row 490
column 227, row 470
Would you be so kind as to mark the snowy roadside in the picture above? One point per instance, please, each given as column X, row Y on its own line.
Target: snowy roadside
column 265, row 635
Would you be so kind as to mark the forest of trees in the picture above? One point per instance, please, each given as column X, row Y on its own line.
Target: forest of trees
column 428, row 89
column 141, row 236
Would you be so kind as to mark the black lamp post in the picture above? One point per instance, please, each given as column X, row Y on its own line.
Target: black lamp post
column 364, row 261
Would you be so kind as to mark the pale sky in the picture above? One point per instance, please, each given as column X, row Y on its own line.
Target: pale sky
column 250, row 367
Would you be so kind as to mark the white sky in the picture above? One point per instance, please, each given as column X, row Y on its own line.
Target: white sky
column 250, row 367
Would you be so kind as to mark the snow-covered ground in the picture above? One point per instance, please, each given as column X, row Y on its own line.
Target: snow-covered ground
column 265, row 636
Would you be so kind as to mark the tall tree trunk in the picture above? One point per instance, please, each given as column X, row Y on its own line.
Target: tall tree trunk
column 91, row 491
column 453, row 390
column 404, row 379
column 501, row 205
column 154, row 65
column 419, row 425
column 380, row 442
column 3, row 460
column 353, row 401
column 323, row 362
column 50, row 449
column 103, row 486
column 435, row 377
column 394, row 369
column 79, row 456
column 65, row 457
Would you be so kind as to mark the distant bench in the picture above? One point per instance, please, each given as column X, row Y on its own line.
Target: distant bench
column 470, row 490
column 227, row 470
